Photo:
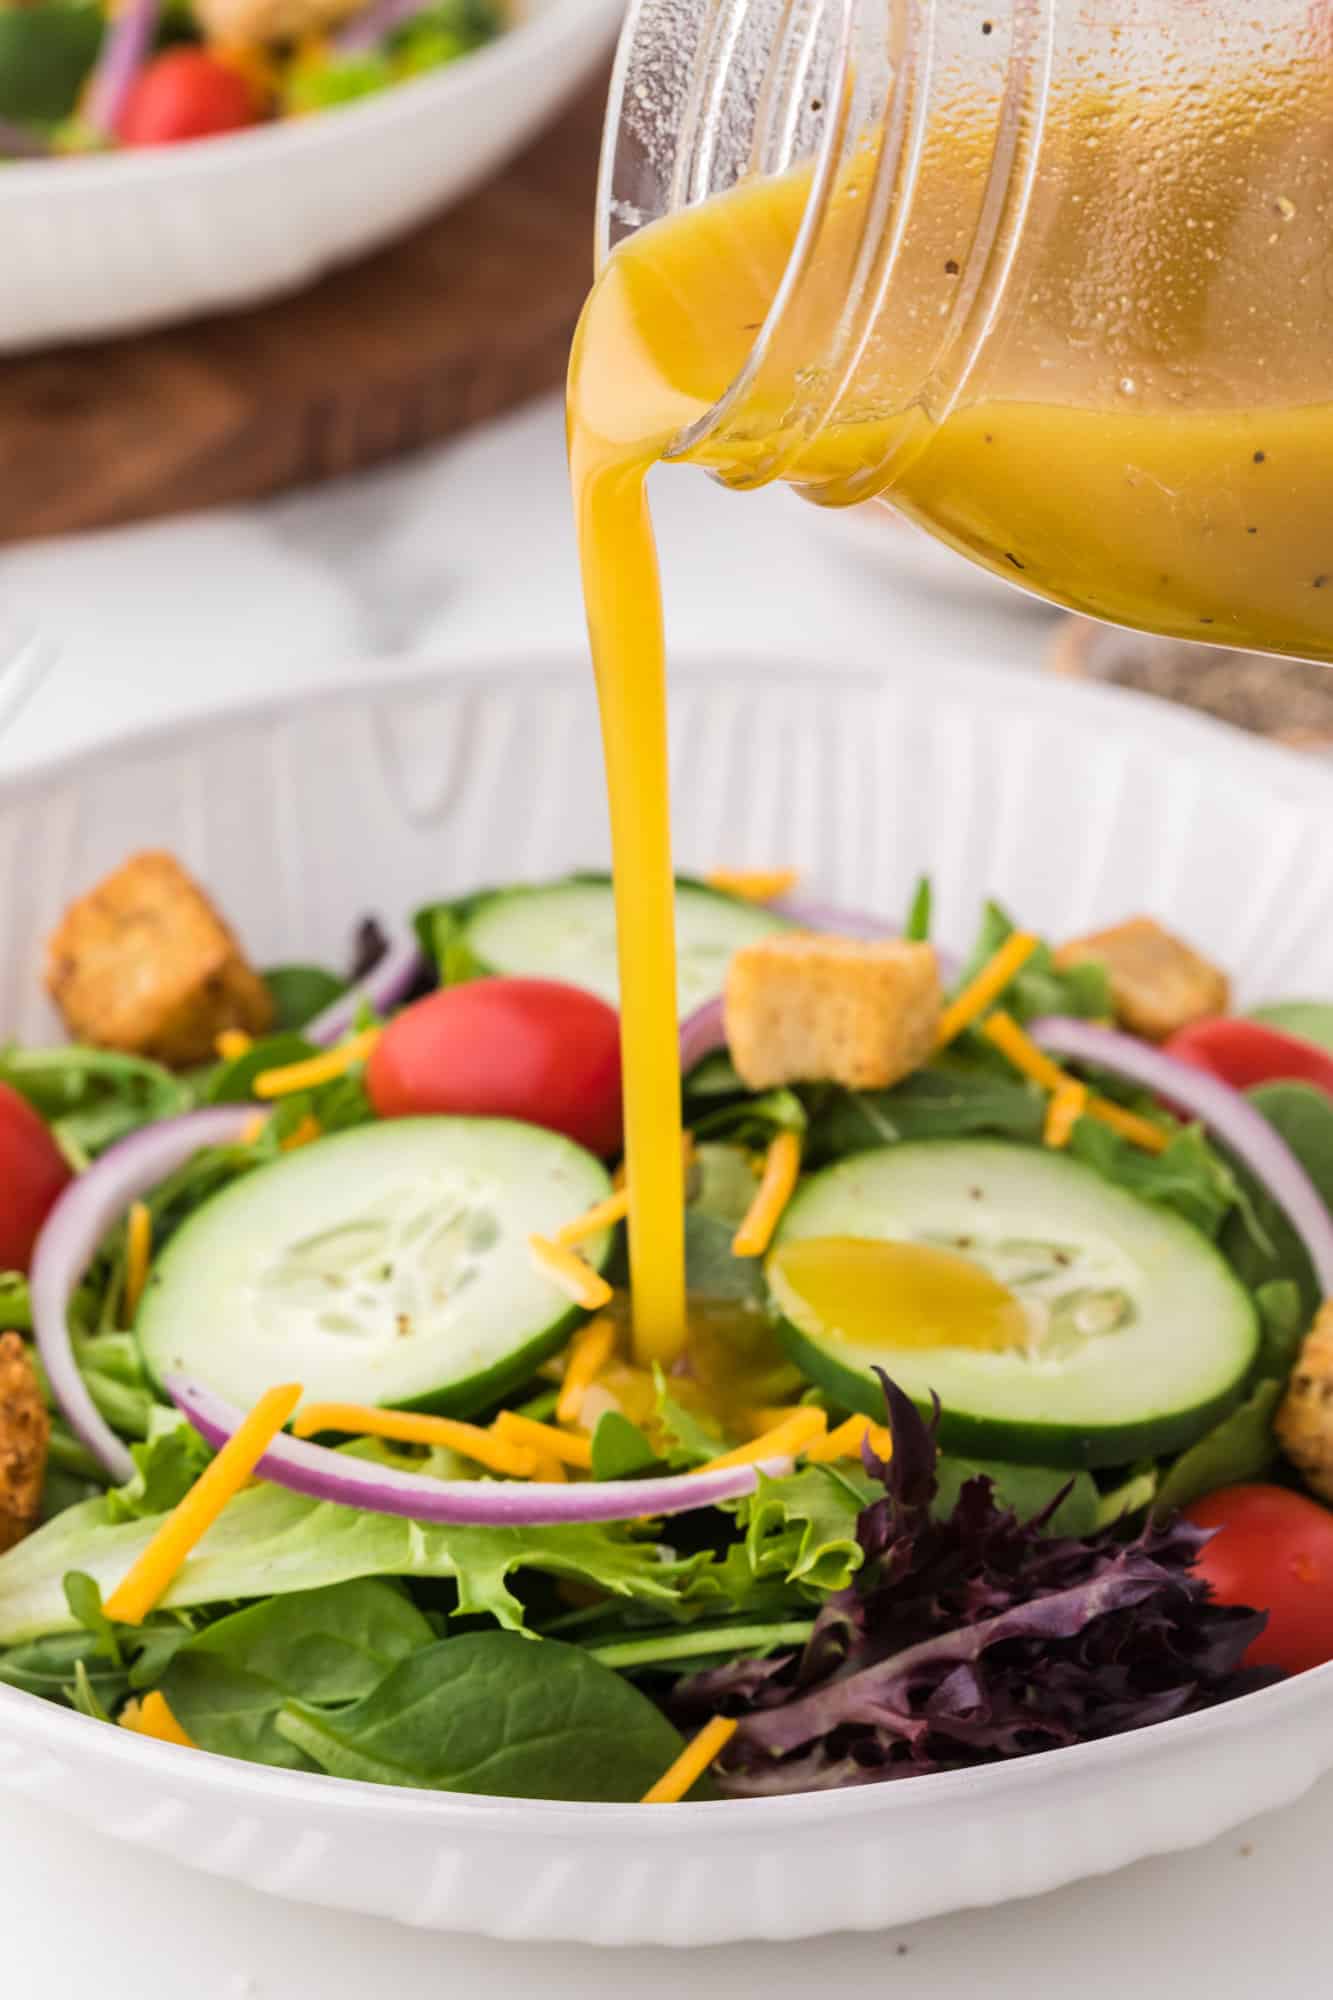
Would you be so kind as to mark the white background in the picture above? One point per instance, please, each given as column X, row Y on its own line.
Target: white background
column 463, row 556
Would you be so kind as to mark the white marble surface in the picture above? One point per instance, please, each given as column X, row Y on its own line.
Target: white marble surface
column 461, row 557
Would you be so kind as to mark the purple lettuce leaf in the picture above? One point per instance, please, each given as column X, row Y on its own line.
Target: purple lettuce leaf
column 976, row 1638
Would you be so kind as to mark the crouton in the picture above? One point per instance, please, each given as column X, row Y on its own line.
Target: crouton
column 145, row 964
column 25, row 1431
column 805, row 1008
column 1303, row 1425
column 1159, row 984
column 242, row 23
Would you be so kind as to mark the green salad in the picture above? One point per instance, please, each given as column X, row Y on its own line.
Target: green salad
column 326, row 1441
column 80, row 76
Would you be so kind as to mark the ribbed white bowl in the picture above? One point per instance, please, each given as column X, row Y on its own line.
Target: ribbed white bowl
column 121, row 241
column 1074, row 804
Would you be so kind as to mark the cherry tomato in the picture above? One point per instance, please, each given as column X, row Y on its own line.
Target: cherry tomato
column 1273, row 1550
column 186, row 94
column 32, row 1173
column 1244, row 1053
column 532, row 1049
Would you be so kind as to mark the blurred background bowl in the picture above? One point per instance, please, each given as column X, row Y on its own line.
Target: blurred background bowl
column 123, row 241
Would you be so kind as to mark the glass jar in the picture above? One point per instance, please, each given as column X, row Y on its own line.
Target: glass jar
column 1054, row 277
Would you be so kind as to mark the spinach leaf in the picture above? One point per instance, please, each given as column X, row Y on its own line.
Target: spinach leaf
column 46, row 52
column 753, row 1121
column 299, row 992
column 1240, row 1447
column 723, row 1183
column 944, row 1103
column 1309, row 1020
column 321, row 1647
column 1303, row 1116
column 493, row 1713
column 619, row 1448
column 270, row 1542
column 1026, row 1490
column 712, row 1271
column 1041, row 987
column 917, row 927
column 47, row 1667
column 91, row 1097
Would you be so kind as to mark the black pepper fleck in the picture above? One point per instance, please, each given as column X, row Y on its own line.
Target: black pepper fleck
column 975, row 1193
column 951, row 267
column 988, row 27
column 1320, row 581
column 1259, row 457
column 1010, row 557
column 1251, row 531
column 816, row 104
column 989, row 438
column 1207, row 621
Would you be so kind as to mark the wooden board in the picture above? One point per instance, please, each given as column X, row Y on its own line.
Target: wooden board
column 468, row 316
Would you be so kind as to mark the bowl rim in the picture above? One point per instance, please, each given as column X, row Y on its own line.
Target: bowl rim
column 1294, row 778
column 541, row 26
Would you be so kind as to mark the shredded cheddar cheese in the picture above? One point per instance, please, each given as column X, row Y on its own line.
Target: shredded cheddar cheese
column 314, row 1070
column 138, row 1255
column 253, row 1129
column 785, row 1440
column 987, row 986
column 1033, row 1062
column 412, row 1427
column 576, row 1279
column 1066, row 1107
column 550, row 1472
column 232, row 1044
column 308, row 1129
column 782, row 1168
column 602, row 1215
column 153, row 1717
column 847, row 1439
column 753, row 885
column 1139, row 1131
column 589, row 1351
column 545, row 1440
column 692, row 1762
column 1020, row 1049
column 149, row 1578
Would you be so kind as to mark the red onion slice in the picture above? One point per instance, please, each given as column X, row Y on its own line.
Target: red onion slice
column 124, row 50
column 382, row 988
column 1228, row 1115
column 69, row 1240
column 322, row 1474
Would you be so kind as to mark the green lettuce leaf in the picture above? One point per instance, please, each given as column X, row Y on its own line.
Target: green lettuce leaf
column 270, row 1542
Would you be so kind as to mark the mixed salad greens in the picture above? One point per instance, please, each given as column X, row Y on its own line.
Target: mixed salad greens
column 977, row 1359
column 79, row 76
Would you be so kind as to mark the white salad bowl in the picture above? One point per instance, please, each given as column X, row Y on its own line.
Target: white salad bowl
column 120, row 241
column 1072, row 804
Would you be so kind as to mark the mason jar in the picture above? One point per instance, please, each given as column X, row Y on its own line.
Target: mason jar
column 1052, row 277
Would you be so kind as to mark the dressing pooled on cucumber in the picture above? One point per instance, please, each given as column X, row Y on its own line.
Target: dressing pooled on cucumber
column 385, row 1265
column 1059, row 1319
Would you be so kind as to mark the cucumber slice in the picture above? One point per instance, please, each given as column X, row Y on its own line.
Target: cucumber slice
column 567, row 930
column 1059, row 1319
column 388, row 1265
